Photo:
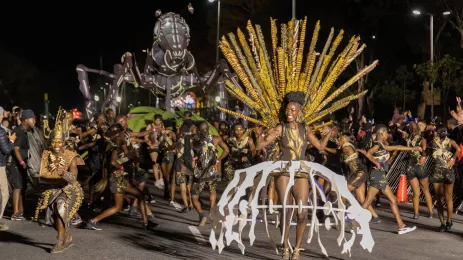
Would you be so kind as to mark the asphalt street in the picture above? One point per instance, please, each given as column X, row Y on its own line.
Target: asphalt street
column 178, row 237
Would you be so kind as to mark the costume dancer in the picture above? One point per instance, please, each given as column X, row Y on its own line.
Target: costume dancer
column 132, row 149
column 333, row 154
column 184, row 164
column 96, row 145
column 114, row 164
column 416, row 172
column 289, row 97
column 293, row 137
column 379, row 156
column 206, row 162
column 357, row 172
column 167, row 145
column 242, row 151
column 59, row 169
column 443, row 176
column 157, row 125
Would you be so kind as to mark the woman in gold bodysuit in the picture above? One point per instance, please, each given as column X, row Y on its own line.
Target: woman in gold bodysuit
column 293, row 137
column 290, row 90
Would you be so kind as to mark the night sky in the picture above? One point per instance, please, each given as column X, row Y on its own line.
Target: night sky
column 55, row 38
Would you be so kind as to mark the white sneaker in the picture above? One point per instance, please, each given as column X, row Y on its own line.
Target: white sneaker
column 159, row 184
column 405, row 230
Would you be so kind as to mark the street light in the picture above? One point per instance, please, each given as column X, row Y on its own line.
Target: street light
column 374, row 37
column 218, row 30
column 97, row 98
column 431, row 25
column 221, row 86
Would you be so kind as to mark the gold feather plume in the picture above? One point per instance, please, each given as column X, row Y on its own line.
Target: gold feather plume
column 268, row 76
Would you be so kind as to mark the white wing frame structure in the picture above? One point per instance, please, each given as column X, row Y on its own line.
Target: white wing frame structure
column 232, row 211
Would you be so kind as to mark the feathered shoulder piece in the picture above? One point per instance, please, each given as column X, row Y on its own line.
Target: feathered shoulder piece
column 268, row 77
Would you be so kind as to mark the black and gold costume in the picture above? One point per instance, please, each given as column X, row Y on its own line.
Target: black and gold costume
column 357, row 171
column 184, row 172
column 442, row 154
column 205, row 171
column 165, row 143
column 414, row 168
column 378, row 176
column 238, row 150
column 66, row 195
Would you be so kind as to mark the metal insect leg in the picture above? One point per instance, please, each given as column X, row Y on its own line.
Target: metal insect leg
column 84, row 87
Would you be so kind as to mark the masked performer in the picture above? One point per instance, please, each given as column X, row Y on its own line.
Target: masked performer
column 242, row 150
column 416, row 173
column 289, row 97
column 443, row 176
column 59, row 169
column 206, row 162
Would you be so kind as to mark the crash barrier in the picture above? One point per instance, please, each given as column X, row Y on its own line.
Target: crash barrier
column 399, row 166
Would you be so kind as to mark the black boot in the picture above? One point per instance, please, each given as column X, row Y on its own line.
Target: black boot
column 442, row 228
column 448, row 226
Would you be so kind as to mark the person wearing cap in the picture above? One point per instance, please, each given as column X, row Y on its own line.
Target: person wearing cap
column 6, row 146
column 17, row 166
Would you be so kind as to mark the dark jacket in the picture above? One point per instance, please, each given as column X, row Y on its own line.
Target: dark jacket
column 5, row 147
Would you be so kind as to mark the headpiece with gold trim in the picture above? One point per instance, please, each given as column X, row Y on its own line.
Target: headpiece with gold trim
column 269, row 77
column 61, row 129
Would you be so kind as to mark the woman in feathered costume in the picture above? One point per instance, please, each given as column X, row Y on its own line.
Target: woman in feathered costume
column 289, row 96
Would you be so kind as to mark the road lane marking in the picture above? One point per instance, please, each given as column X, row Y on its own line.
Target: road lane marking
column 195, row 231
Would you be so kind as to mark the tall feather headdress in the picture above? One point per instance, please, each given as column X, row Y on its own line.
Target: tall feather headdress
column 268, row 77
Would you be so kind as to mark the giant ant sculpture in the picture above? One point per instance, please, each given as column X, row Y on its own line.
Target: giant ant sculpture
column 169, row 66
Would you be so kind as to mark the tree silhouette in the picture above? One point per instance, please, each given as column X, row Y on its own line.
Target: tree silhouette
column 456, row 19
column 446, row 73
